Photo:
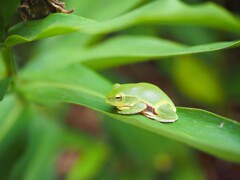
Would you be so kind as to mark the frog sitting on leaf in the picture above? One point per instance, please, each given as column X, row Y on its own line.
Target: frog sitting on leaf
column 143, row 98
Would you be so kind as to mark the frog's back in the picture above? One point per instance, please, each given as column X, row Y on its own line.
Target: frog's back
column 149, row 93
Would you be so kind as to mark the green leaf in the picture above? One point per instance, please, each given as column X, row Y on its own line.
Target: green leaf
column 7, row 9
column 52, row 25
column 164, row 12
column 172, row 12
column 117, row 51
column 101, row 9
column 131, row 49
column 197, row 128
column 12, row 121
column 42, row 149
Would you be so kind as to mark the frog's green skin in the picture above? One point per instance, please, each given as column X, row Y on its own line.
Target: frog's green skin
column 143, row 98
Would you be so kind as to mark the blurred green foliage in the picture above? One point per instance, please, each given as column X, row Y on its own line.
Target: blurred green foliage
column 186, row 44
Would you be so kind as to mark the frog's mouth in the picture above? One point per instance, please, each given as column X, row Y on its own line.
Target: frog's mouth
column 123, row 107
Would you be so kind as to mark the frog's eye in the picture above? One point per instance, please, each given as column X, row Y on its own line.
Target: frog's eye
column 118, row 97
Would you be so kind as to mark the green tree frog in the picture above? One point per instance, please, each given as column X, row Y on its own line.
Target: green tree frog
column 143, row 98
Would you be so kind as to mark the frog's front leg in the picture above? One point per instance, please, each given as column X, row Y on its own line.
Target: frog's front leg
column 136, row 108
column 165, row 113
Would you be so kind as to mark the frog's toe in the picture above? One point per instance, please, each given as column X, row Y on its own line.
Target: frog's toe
column 148, row 114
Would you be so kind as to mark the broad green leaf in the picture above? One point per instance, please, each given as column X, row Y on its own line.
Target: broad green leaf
column 172, row 12
column 131, row 49
column 42, row 149
column 117, row 51
column 164, row 12
column 197, row 81
column 197, row 128
column 52, row 25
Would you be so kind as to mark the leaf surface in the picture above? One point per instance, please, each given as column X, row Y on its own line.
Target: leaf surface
column 198, row 128
column 121, row 50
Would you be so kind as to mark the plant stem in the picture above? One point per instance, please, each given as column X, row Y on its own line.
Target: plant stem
column 9, row 64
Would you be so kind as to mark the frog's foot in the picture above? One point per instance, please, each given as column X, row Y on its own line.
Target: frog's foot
column 165, row 113
column 156, row 117
column 148, row 114
column 164, row 120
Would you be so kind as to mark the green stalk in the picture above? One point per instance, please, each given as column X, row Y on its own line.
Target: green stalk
column 11, row 73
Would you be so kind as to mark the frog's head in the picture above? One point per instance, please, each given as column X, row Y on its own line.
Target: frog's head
column 120, row 97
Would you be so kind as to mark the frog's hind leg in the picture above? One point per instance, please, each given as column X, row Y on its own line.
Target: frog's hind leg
column 150, row 113
column 157, row 118
column 166, row 113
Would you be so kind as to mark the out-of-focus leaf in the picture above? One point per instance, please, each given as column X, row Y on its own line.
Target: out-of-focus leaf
column 194, row 34
column 4, row 81
column 42, row 150
column 233, row 85
column 13, row 123
column 197, row 128
column 101, row 9
column 11, row 120
column 89, row 163
column 153, row 152
column 129, row 49
column 118, row 51
column 92, row 155
column 196, row 81
column 165, row 12
column 172, row 12
column 7, row 9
